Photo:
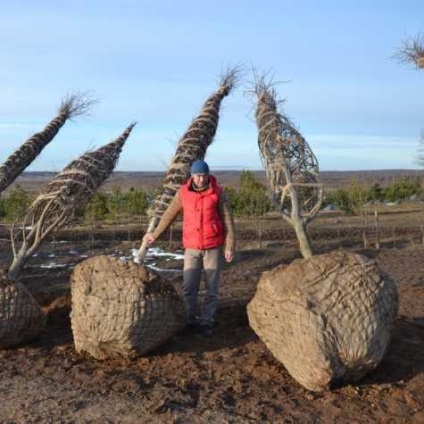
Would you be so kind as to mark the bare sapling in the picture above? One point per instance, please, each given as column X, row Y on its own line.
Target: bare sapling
column 70, row 107
column 60, row 198
column 412, row 51
column 291, row 167
column 328, row 318
column 192, row 146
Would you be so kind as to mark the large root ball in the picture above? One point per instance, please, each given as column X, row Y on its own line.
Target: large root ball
column 21, row 318
column 120, row 309
column 328, row 319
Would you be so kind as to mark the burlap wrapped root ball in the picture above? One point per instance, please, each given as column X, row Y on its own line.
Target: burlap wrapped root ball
column 120, row 309
column 21, row 318
column 327, row 319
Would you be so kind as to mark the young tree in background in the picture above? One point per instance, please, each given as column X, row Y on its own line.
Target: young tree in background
column 96, row 209
column 115, row 204
column 136, row 203
column 420, row 151
column 251, row 200
column 16, row 204
column 412, row 51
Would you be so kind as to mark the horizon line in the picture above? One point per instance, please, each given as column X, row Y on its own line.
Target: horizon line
column 244, row 169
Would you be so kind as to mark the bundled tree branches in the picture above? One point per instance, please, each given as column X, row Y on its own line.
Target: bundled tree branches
column 192, row 146
column 71, row 106
column 412, row 51
column 290, row 165
column 56, row 205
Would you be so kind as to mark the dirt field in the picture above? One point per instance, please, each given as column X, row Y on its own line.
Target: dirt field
column 230, row 377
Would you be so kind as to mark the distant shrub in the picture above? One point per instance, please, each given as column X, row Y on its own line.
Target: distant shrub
column 251, row 199
column 2, row 208
column 96, row 209
column 115, row 205
column 136, row 202
column 403, row 188
column 15, row 204
column 352, row 198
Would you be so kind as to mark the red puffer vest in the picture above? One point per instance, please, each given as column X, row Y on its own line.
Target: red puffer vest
column 202, row 224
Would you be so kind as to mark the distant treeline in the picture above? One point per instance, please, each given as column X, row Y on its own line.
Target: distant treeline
column 249, row 199
column 117, row 206
column 352, row 198
column 149, row 181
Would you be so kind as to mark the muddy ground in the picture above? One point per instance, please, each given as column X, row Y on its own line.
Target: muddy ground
column 228, row 378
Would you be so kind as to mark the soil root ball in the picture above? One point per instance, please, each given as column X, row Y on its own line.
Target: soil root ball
column 120, row 309
column 327, row 319
column 21, row 318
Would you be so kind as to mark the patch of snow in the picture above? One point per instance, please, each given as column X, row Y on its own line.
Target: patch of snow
column 156, row 252
column 52, row 265
column 396, row 202
column 155, row 268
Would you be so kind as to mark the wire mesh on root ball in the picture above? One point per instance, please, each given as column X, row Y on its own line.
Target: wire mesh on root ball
column 327, row 319
column 120, row 309
column 21, row 318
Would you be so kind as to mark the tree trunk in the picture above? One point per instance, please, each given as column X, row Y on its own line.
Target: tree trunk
column 17, row 265
column 302, row 237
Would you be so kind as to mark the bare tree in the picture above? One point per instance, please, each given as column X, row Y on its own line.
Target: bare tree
column 192, row 146
column 56, row 205
column 420, row 151
column 301, row 311
column 290, row 165
column 412, row 51
column 70, row 107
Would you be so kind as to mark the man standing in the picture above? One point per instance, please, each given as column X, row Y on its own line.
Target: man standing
column 208, row 234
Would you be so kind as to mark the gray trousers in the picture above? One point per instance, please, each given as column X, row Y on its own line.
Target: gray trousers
column 197, row 262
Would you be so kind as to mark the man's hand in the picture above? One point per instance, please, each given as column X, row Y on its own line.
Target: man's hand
column 148, row 238
column 229, row 255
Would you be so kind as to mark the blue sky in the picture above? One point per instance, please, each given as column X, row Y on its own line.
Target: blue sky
column 156, row 62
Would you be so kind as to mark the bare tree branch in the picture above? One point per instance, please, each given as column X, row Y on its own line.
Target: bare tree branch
column 72, row 105
column 420, row 151
column 412, row 51
column 290, row 165
column 57, row 203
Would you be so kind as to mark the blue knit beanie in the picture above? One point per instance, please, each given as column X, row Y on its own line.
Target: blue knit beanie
column 199, row 167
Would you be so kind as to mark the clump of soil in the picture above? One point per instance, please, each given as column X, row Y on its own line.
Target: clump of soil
column 328, row 319
column 120, row 309
column 21, row 318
